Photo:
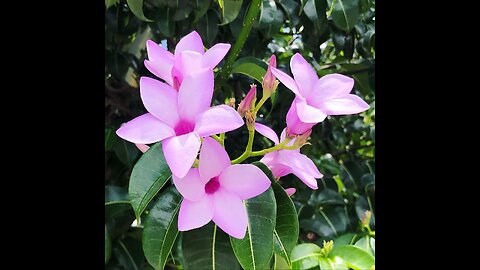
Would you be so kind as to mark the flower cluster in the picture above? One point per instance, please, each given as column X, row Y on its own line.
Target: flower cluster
column 181, row 117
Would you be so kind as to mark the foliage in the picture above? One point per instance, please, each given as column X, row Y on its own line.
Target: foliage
column 335, row 36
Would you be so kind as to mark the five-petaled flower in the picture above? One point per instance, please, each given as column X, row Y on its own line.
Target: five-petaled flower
column 215, row 190
column 316, row 98
column 283, row 162
column 190, row 56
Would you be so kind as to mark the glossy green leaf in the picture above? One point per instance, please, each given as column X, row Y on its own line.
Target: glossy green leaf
column 255, row 250
column 268, row 12
column 291, row 8
column 160, row 228
column 229, row 10
column 207, row 27
column 354, row 257
column 148, row 176
column 109, row 3
column 126, row 152
column 328, row 223
column 367, row 243
column 108, row 245
column 346, row 239
column 110, row 138
column 305, row 256
column 250, row 66
column 286, row 225
column 200, row 8
column 208, row 248
column 326, row 197
column 331, row 264
column 116, row 201
column 280, row 263
column 136, row 6
column 129, row 253
column 315, row 11
column 183, row 10
column 165, row 22
column 345, row 14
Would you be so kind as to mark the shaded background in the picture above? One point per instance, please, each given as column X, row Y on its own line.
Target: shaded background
column 342, row 147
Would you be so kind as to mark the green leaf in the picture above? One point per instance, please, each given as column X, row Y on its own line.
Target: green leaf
column 208, row 248
column 255, row 250
column 136, row 6
column 160, row 228
column 109, row 3
column 305, row 256
column 108, row 245
column 116, row 201
column 367, row 243
column 280, row 263
column 330, row 264
column 126, row 152
column 183, row 9
column 200, row 8
column 148, row 176
column 343, row 240
column 165, row 21
column 229, row 10
column 328, row 223
column 286, row 224
column 315, row 11
column 345, row 14
column 354, row 257
column 268, row 12
column 250, row 66
column 207, row 27
column 127, row 253
column 291, row 8
column 110, row 138
column 326, row 197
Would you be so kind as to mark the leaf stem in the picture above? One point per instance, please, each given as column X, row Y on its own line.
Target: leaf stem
column 248, row 149
column 222, row 139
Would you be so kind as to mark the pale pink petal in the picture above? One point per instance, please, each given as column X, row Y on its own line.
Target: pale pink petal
column 267, row 132
column 348, row 104
column 215, row 54
column 328, row 87
column 299, row 161
column 186, row 63
column 245, row 180
column 195, row 94
column 190, row 42
column 142, row 147
column 306, row 178
column 294, row 124
column 194, row 215
column 309, row 114
column 145, row 129
column 291, row 142
column 304, row 74
column 160, row 100
column 216, row 120
column 230, row 213
column 213, row 159
column 287, row 81
column 180, row 152
column 190, row 186
column 269, row 158
column 279, row 170
column 160, row 61
column 290, row 191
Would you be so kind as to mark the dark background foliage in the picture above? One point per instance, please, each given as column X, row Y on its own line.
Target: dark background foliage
column 331, row 40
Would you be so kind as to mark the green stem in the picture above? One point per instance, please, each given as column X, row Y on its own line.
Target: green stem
column 218, row 139
column 274, row 148
column 331, row 8
column 222, row 139
column 250, row 17
column 260, row 103
column 248, row 149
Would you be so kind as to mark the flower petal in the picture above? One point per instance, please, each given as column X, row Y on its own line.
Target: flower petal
column 145, row 129
column 194, row 215
column 306, row 178
column 304, row 74
column 213, row 159
column 279, row 170
column 290, row 191
column 190, row 42
column 269, row 158
column 298, row 161
column 186, row 62
column 294, row 124
column 218, row 119
column 244, row 180
column 160, row 61
column 160, row 100
column 190, row 186
column 215, row 54
column 287, row 81
column 180, row 152
column 142, row 147
column 348, row 104
column 329, row 87
column 267, row 132
column 309, row 114
column 230, row 213
column 282, row 137
column 195, row 94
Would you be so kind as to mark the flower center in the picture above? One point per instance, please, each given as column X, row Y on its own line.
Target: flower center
column 183, row 127
column 212, row 186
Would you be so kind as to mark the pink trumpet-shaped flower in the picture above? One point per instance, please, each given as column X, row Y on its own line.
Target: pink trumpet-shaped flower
column 179, row 119
column 283, row 162
column 316, row 98
column 215, row 190
column 189, row 56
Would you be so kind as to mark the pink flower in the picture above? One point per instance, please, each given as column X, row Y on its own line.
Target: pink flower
column 284, row 162
column 179, row 119
column 215, row 190
column 316, row 98
column 189, row 56
column 248, row 103
column 269, row 83
column 290, row 191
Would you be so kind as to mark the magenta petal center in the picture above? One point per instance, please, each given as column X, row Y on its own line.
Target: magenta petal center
column 212, row 186
column 183, row 127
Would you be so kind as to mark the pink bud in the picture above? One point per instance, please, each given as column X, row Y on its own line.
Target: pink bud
column 248, row 102
column 142, row 147
column 269, row 83
column 290, row 191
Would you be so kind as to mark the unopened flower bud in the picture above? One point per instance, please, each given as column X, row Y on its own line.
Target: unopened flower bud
column 270, row 83
column 250, row 117
column 301, row 140
column 366, row 219
column 248, row 103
